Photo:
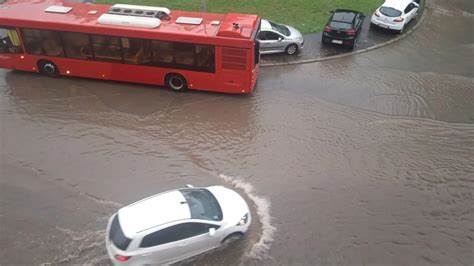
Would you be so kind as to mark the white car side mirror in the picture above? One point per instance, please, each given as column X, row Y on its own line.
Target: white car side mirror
column 189, row 186
column 280, row 39
column 212, row 231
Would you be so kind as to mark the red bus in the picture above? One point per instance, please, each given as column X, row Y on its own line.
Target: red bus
column 151, row 45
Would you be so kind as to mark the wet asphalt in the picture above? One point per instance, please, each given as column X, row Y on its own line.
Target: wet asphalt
column 362, row 160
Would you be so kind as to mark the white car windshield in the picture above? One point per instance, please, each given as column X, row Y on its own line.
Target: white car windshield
column 202, row 204
column 280, row 28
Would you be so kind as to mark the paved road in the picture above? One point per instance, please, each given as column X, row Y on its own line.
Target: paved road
column 360, row 160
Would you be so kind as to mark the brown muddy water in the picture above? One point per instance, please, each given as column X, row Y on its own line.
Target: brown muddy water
column 362, row 160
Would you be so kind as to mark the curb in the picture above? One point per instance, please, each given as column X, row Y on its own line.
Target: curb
column 325, row 58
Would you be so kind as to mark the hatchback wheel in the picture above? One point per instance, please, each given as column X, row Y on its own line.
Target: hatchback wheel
column 353, row 44
column 402, row 30
column 292, row 49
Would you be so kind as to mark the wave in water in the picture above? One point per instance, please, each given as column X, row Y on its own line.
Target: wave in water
column 261, row 247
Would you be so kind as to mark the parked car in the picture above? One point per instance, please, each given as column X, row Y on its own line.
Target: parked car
column 343, row 27
column 279, row 38
column 395, row 14
column 176, row 225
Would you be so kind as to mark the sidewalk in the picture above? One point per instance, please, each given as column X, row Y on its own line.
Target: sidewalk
column 314, row 50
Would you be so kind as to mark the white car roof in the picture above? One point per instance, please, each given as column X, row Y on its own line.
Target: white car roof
column 153, row 211
column 265, row 25
column 397, row 4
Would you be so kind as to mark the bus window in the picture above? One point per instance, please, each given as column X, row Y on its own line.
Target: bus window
column 42, row 42
column 163, row 52
column 205, row 58
column 77, row 45
column 184, row 54
column 136, row 51
column 107, row 48
column 9, row 41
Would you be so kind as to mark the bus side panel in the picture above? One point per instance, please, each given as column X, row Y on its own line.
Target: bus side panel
column 13, row 61
column 112, row 71
column 254, row 77
column 6, row 61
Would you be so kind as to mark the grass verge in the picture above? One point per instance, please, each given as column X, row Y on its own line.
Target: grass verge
column 306, row 15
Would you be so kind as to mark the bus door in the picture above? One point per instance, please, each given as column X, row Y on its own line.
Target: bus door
column 10, row 46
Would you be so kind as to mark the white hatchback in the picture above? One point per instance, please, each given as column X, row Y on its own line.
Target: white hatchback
column 176, row 225
column 395, row 14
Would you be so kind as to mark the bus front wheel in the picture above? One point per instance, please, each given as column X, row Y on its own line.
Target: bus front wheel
column 48, row 68
column 176, row 82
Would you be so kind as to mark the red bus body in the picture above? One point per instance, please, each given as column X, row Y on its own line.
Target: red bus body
column 230, row 43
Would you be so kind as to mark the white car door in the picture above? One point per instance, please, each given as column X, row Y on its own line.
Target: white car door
column 163, row 246
column 409, row 12
column 200, row 239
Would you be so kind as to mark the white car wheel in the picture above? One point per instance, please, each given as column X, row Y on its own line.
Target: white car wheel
column 231, row 238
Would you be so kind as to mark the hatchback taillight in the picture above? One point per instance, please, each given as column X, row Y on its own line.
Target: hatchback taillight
column 122, row 258
column 398, row 19
column 351, row 32
column 327, row 29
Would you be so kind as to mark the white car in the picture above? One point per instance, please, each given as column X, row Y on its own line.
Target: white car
column 395, row 14
column 176, row 225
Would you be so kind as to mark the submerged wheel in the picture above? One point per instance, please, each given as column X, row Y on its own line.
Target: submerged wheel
column 176, row 82
column 48, row 68
column 232, row 238
column 292, row 49
column 351, row 46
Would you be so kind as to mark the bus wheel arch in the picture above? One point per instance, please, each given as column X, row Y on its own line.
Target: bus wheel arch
column 48, row 68
column 176, row 82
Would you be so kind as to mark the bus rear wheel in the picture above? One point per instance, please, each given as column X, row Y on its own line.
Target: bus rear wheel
column 48, row 68
column 176, row 82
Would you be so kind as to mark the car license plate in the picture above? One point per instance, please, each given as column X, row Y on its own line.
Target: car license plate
column 337, row 41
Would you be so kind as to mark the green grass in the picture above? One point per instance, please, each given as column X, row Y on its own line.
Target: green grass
column 306, row 15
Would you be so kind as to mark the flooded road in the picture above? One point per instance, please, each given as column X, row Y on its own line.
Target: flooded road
column 361, row 160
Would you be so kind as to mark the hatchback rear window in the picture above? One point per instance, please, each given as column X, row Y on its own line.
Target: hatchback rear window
column 344, row 16
column 390, row 12
column 117, row 236
column 340, row 25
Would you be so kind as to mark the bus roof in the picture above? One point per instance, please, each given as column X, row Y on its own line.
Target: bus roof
column 83, row 17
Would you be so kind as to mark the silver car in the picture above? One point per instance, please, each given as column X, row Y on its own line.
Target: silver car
column 278, row 38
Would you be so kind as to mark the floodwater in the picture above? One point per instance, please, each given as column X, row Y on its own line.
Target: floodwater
column 362, row 160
